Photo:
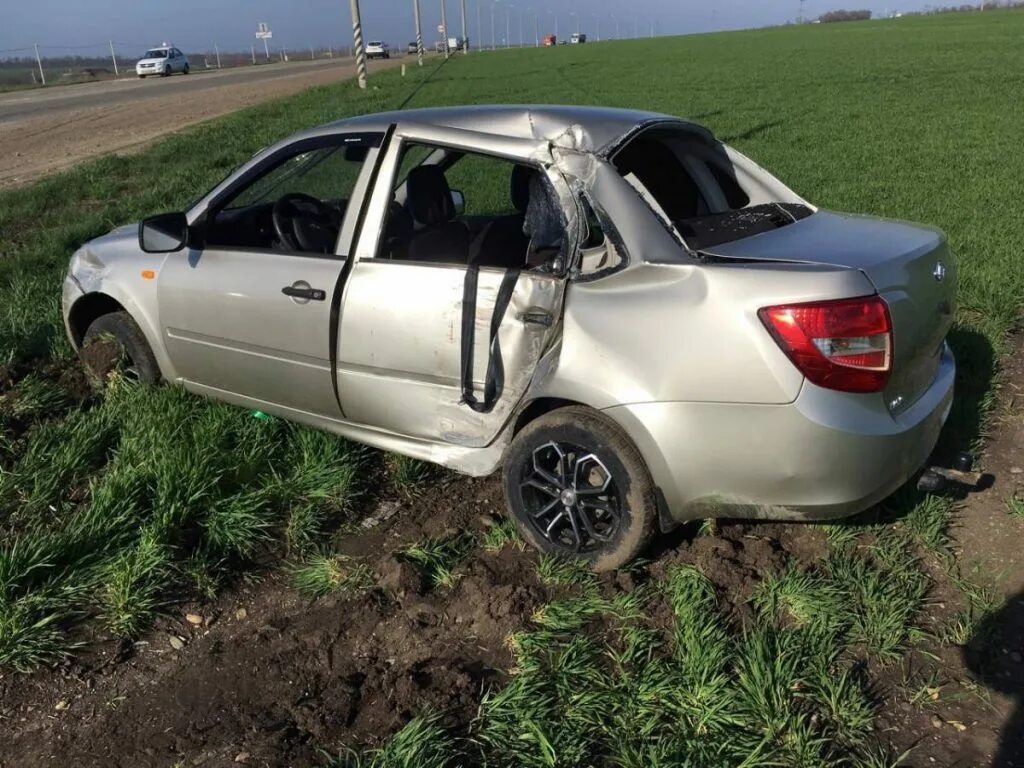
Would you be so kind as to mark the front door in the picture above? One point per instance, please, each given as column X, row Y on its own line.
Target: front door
column 450, row 213
column 249, row 314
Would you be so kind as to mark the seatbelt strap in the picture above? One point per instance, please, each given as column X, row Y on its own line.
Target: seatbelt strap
column 495, row 377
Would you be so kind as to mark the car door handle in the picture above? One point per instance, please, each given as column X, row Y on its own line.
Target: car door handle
column 537, row 317
column 300, row 292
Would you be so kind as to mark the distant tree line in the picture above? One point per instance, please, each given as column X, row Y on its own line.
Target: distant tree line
column 842, row 15
column 863, row 15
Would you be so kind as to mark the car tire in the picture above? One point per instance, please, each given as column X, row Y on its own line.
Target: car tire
column 142, row 77
column 185, row 70
column 575, row 449
column 167, row 72
column 132, row 355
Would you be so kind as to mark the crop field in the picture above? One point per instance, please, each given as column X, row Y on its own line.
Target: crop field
column 186, row 583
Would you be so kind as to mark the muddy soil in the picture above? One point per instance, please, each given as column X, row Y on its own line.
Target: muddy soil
column 269, row 678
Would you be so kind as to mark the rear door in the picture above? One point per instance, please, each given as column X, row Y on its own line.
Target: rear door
column 248, row 315
column 400, row 345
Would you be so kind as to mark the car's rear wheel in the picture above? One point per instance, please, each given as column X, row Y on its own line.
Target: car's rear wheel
column 185, row 70
column 577, row 487
column 115, row 345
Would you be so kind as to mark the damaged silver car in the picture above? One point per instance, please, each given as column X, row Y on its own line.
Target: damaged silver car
column 637, row 324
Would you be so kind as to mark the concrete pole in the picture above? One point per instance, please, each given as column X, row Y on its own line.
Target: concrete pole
column 216, row 50
column 113, row 58
column 598, row 20
column 522, row 42
column 252, row 49
column 357, row 39
column 465, row 34
column 444, row 23
column 536, row 31
column 492, row 28
column 508, row 28
column 266, row 49
column 479, row 26
column 419, row 32
column 42, row 75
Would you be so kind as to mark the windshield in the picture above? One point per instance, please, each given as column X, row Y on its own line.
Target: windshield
column 156, row 53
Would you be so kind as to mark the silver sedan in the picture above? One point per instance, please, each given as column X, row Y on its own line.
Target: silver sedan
column 635, row 323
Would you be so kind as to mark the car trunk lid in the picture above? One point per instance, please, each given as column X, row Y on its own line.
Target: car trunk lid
column 909, row 265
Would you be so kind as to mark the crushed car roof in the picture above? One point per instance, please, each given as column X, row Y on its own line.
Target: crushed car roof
column 600, row 126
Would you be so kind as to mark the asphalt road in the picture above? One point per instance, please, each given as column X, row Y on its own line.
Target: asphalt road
column 19, row 105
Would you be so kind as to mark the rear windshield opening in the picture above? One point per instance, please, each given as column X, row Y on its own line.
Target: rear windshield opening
column 692, row 184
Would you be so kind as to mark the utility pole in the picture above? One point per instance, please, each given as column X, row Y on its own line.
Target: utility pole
column 536, row 30
column 522, row 42
column 113, row 58
column 479, row 26
column 252, row 49
column 800, row 18
column 216, row 50
column 357, row 38
column 508, row 27
column 444, row 23
column 493, row 46
column 598, row 20
column 419, row 32
column 42, row 75
column 465, row 36
column 616, row 19
column 266, row 48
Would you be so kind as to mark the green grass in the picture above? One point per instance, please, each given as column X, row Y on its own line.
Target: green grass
column 108, row 510
column 323, row 574
column 1015, row 505
column 438, row 557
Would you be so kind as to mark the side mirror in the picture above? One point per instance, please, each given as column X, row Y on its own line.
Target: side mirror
column 165, row 233
column 459, row 201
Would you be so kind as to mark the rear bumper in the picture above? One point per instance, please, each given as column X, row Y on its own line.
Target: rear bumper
column 826, row 455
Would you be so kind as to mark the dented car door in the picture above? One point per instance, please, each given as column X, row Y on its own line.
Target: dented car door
column 402, row 358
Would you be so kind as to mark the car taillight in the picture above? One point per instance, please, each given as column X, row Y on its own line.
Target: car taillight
column 844, row 345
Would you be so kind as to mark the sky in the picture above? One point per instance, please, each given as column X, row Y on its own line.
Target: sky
column 196, row 25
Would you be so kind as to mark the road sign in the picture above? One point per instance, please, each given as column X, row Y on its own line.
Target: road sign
column 263, row 32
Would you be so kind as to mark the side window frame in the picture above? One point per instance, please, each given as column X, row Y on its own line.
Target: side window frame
column 361, row 191
column 388, row 179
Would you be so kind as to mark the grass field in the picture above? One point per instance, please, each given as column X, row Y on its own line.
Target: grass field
column 114, row 505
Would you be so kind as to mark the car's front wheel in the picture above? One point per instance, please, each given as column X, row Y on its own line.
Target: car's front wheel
column 185, row 70
column 577, row 487
column 114, row 343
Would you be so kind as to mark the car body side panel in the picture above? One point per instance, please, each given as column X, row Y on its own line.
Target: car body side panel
column 826, row 455
column 685, row 333
column 114, row 266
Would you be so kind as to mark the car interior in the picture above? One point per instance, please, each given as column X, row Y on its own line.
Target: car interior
column 507, row 217
column 692, row 185
column 296, row 207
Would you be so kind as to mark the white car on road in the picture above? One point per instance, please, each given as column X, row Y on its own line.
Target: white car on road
column 163, row 61
column 375, row 49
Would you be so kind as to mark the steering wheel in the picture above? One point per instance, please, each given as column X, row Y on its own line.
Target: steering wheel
column 304, row 223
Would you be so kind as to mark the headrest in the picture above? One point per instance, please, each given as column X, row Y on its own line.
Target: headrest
column 543, row 223
column 429, row 196
column 520, row 186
